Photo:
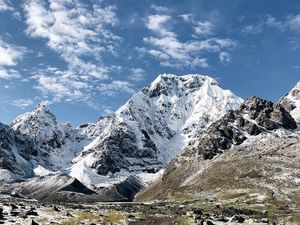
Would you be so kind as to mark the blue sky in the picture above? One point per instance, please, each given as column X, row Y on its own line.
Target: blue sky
column 86, row 58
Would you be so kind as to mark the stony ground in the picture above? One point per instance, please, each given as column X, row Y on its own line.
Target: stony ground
column 22, row 212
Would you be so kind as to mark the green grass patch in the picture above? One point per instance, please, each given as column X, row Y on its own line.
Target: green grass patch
column 115, row 217
column 185, row 220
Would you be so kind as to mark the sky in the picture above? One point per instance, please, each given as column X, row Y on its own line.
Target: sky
column 86, row 58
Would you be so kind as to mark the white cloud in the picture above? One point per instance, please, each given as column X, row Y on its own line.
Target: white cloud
column 22, row 103
column 159, row 8
column 252, row 29
column 5, row 6
column 189, row 17
column 273, row 22
column 200, row 27
column 294, row 23
column 81, row 35
column 137, row 74
column 291, row 23
column 224, row 57
column 75, row 32
column 8, row 73
column 61, row 85
column 172, row 52
column 158, row 24
column 204, row 28
column 115, row 87
column 10, row 55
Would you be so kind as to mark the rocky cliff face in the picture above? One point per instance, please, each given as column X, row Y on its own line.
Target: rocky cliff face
column 255, row 116
column 13, row 161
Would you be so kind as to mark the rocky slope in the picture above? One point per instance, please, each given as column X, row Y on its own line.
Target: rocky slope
column 248, row 157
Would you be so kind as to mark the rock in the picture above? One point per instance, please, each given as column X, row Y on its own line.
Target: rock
column 130, row 216
column 281, row 116
column 56, row 209
column 13, row 206
column 222, row 219
column 1, row 213
column 208, row 222
column 32, row 222
column 22, row 214
column 69, row 214
column 264, row 220
column 14, row 213
column 237, row 218
column 130, row 187
column 32, row 213
column 267, row 114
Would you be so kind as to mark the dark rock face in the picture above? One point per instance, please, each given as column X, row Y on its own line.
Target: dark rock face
column 283, row 118
column 1, row 214
column 32, row 222
column 130, row 187
column 230, row 129
column 222, row 134
column 77, row 186
column 8, row 159
column 113, row 152
column 267, row 114
column 287, row 104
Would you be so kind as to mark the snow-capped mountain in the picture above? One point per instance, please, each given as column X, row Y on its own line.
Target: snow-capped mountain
column 155, row 124
column 291, row 102
column 140, row 138
column 53, row 145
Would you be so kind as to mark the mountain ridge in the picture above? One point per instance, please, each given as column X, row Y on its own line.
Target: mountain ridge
column 163, row 122
column 136, row 139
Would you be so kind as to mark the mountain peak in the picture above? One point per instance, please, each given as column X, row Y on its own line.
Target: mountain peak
column 157, row 123
column 188, row 78
column 40, row 123
column 41, row 107
column 173, row 85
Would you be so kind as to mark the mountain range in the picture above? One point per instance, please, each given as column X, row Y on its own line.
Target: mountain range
column 180, row 137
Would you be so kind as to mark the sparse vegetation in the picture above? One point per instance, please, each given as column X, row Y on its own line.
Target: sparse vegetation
column 185, row 220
